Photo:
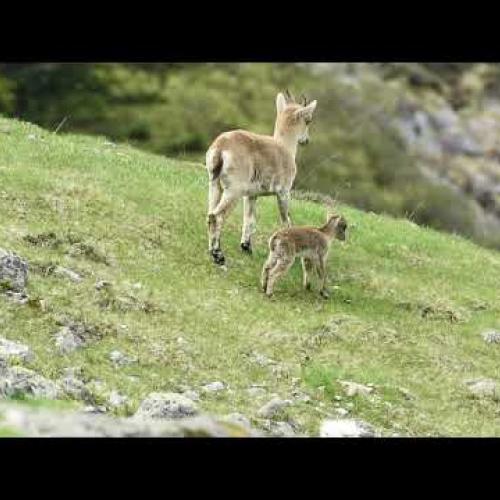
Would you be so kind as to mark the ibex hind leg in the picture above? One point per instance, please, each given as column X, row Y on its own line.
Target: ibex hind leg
column 269, row 264
column 249, row 204
column 215, row 223
column 282, row 266
column 214, row 197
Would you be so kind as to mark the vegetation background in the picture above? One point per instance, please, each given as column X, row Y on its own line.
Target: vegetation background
column 364, row 146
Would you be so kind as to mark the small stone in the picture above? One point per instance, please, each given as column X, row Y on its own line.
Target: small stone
column 67, row 273
column 19, row 298
column 166, row 405
column 75, row 388
column 341, row 412
column 98, row 410
column 18, row 380
column 119, row 359
column 116, row 399
column 256, row 391
column 282, row 429
column 67, row 341
column 100, row 285
column 484, row 388
column 491, row 337
column 354, row 389
column 238, row 418
column 273, row 407
column 261, row 360
column 192, row 395
column 13, row 271
column 346, row 428
column 302, row 397
column 10, row 350
column 406, row 393
column 213, row 387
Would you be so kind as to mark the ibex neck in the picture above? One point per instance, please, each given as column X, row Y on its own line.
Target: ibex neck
column 328, row 231
column 290, row 143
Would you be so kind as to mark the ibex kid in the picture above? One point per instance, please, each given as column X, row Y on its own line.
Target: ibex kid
column 242, row 164
column 310, row 243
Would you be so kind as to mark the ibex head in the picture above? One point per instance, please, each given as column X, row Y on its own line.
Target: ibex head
column 334, row 221
column 294, row 117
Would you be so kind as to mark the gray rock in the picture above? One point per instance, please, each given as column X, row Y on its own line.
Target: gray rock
column 484, row 388
column 116, row 399
column 346, row 428
column 273, row 408
column 166, row 405
column 282, row 429
column 354, row 389
column 301, row 396
column 120, row 359
column 67, row 341
column 256, row 392
column 192, row 395
column 238, row 418
column 406, row 393
column 19, row 298
column 13, row 271
column 444, row 118
column 95, row 410
column 18, row 380
column 67, row 273
column 42, row 422
column 73, row 336
column 491, row 337
column 213, row 387
column 10, row 349
column 341, row 412
column 75, row 388
column 101, row 284
column 261, row 360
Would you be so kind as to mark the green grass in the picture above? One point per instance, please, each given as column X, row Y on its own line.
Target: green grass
column 408, row 311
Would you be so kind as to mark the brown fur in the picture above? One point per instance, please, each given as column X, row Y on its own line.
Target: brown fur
column 310, row 243
column 246, row 165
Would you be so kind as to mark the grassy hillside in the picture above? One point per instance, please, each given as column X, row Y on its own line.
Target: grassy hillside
column 407, row 308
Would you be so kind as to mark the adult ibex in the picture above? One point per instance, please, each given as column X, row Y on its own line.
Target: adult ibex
column 245, row 165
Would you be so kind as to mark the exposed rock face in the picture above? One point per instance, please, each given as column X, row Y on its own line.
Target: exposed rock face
column 18, row 380
column 166, row 405
column 38, row 422
column 13, row 271
column 73, row 336
column 10, row 350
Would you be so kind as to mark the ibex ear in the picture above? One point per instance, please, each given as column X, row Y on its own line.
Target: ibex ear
column 307, row 111
column 280, row 102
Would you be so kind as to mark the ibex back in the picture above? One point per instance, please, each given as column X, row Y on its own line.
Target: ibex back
column 242, row 164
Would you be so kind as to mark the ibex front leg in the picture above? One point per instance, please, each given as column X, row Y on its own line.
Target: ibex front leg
column 249, row 204
column 283, row 201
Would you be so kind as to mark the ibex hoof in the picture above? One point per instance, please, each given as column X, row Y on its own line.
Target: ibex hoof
column 218, row 257
column 246, row 247
column 325, row 294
